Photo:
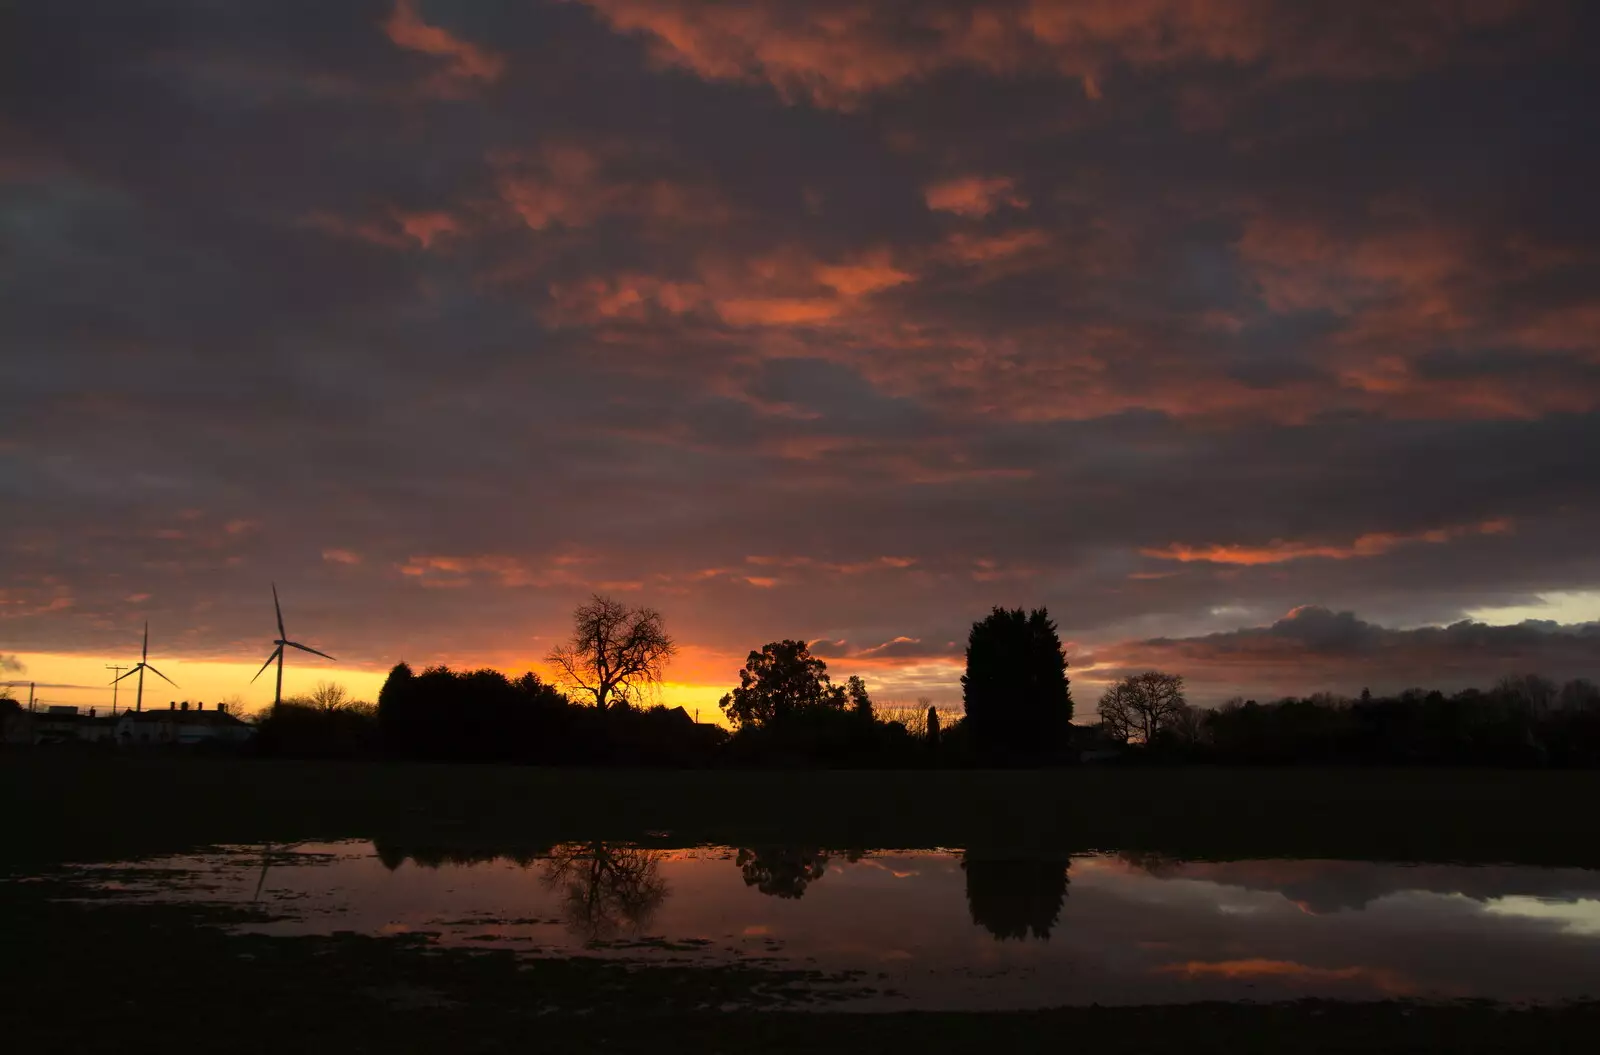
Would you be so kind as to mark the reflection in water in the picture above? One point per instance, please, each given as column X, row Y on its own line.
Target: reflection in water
column 976, row 930
column 606, row 888
column 783, row 871
column 1011, row 898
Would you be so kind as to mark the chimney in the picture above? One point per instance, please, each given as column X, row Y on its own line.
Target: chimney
column 172, row 705
column 222, row 708
column 184, row 706
column 200, row 706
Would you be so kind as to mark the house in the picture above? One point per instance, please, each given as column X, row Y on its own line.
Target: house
column 180, row 725
column 59, row 725
column 1095, row 744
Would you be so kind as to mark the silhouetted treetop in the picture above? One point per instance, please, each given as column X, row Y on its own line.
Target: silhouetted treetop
column 1143, row 706
column 1015, row 689
column 782, row 680
column 616, row 652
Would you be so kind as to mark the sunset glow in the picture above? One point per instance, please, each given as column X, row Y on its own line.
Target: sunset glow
column 1207, row 325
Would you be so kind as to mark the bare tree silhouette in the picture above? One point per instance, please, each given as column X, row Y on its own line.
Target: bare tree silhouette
column 616, row 652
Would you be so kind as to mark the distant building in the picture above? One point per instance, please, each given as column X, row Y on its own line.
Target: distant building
column 181, row 726
column 177, row 725
column 60, row 725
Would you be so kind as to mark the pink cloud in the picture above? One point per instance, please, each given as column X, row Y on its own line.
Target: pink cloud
column 464, row 62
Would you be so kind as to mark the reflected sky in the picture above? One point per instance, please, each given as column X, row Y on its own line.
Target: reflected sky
column 949, row 929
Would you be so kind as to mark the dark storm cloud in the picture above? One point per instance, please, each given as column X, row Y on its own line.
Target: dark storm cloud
column 1314, row 648
column 842, row 321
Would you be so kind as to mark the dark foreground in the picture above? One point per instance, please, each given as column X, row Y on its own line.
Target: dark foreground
column 101, row 975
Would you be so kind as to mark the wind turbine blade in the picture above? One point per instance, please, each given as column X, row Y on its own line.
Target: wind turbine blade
column 160, row 675
column 308, row 648
column 278, row 609
column 131, row 672
column 267, row 664
column 144, row 653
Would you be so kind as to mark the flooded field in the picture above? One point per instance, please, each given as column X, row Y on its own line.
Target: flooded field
column 948, row 929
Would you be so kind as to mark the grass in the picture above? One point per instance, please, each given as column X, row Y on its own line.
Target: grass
column 109, row 975
column 95, row 808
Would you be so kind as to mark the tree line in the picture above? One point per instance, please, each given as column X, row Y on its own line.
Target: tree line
column 1017, row 710
column 1523, row 720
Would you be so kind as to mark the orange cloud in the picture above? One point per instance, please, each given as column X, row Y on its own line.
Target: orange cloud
column 425, row 227
column 1279, row 551
column 863, row 277
column 973, row 196
column 967, row 249
column 777, row 311
column 574, row 185
column 464, row 62
column 341, row 556
column 456, row 572
column 837, row 52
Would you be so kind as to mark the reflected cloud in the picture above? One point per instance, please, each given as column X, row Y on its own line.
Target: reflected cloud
column 1384, row 981
column 1138, row 929
column 1574, row 917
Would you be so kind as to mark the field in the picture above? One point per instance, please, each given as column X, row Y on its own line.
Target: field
column 96, row 976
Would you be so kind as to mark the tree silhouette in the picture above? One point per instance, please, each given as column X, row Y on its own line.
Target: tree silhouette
column 1143, row 706
column 782, row 871
column 1015, row 897
column 616, row 652
column 782, row 680
column 855, row 692
column 1015, row 689
column 606, row 889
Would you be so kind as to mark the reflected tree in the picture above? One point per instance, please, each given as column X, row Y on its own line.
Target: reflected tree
column 1151, row 862
column 782, row 871
column 606, row 889
column 1015, row 897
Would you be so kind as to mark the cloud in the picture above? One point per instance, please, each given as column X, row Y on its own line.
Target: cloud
column 899, row 648
column 1390, row 982
column 11, row 665
column 464, row 62
column 838, row 53
column 514, row 327
column 1277, row 551
column 973, row 196
column 1315, row 649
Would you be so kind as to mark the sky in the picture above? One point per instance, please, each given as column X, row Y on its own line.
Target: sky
column 1257, row 339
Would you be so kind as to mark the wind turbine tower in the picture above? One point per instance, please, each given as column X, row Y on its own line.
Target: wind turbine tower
column 281, row 642
column 140, row 667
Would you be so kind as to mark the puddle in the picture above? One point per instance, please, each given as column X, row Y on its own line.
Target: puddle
column 942, row 929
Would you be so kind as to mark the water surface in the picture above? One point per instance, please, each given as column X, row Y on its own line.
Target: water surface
column 945, row 929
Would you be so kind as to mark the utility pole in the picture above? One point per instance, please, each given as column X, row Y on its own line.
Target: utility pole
column 30, row 697
column 115, row 678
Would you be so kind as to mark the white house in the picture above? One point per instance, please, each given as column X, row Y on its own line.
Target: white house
column 180, row 725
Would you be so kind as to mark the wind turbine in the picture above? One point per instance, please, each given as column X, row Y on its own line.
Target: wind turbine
column 281, row 642
column 142, row 666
